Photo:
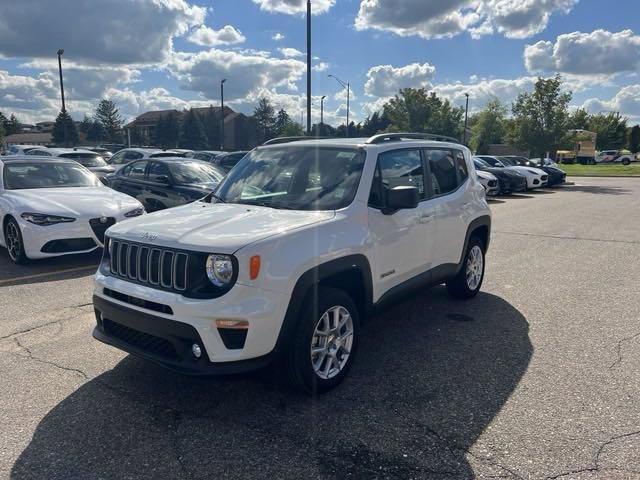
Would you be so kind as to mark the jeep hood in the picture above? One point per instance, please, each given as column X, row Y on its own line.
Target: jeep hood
column 219, row 227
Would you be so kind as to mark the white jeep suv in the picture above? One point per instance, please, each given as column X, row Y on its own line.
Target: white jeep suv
column 297, row 247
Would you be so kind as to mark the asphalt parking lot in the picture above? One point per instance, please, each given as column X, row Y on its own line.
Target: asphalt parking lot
column 538, row 377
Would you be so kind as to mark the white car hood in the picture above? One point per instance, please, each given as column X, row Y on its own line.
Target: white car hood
column 528, row 171
column 486, row 175
column 216, row 228
column 76, row 202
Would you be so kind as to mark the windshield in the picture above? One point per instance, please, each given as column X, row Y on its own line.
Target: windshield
column 194, row 173
column 296, row 178
column 493, row 162
column 23, row 176
column 480, row 163
column 89, row 160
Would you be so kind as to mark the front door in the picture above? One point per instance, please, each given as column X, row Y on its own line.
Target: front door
column 402, row 240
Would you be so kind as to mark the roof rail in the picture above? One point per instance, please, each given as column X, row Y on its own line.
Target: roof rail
column 390, row 137
column 281, row 140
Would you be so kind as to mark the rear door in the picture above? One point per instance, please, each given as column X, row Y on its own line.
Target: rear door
column 131, row 180
column 160, row 193
column 449, row 183
column 402, row 240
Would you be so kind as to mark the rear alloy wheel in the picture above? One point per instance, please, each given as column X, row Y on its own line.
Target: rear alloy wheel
column 626, row 161
column 466, row 284
column 325, row 342
column 14, row 243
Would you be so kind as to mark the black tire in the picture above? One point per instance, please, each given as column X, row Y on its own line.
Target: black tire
column 300, row 371
column 16, row 251
column 458, row 287
column 625, row 161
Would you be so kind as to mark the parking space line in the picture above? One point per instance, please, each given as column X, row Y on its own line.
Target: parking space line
column 47, row 274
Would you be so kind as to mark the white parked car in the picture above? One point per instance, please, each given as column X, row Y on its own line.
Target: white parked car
column 298, row 245
column 92, row 161
column 615, row 156
column 489, row 182
column 536, row 178
column 21, row 149
column 52, row 207
column 126, row 155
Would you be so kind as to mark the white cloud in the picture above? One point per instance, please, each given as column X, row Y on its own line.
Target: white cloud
column 208, row 37
column 278, row 37
column 108, row 31
column 294, row 7
column 599, row 52
column 321, row 67
column 626, row 101
column 290, row 52
column 446, row 18
column 245, row 72
column 386, row 80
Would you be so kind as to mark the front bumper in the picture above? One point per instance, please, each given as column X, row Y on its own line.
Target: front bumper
column 162, row 341
column 124, row 302
column 62, row 238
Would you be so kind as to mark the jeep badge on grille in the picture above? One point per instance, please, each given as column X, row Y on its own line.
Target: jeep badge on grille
column 148, row 237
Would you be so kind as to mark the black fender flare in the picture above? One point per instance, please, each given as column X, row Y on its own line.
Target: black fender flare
column 312, row 278
column 483, row 221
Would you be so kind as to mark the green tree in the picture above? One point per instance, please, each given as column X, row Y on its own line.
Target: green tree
column 611, row 129
column 634, row 139
column 95, row 133
column 1, row 131
column 375, row 123
column 416, row 110
column 64, row 131
column 264, row 115
column 85, row 124
column 167, row 132
column 212, row 127
column 282, row 123
column 540, row 117
column 193, row 135
column 578, row 120
column 292, row 129
column 488, row 127
column 108, row 116
column 12, row 125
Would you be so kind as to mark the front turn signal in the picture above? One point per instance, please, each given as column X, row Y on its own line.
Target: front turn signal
column 254, row 267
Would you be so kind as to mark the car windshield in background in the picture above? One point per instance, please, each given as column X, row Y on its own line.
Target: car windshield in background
column 295, row 178
column 480, row 163
column 194, row 173
column 493, row 162
column 24, row 176
column 88, row 160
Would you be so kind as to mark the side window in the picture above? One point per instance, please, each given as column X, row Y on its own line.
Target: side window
column 138, row 170
column 125, row 171
column 443, row 171
column 156, row 170
column 130, row 156
column 461, row 166
column 117, row 159
column 397, row 168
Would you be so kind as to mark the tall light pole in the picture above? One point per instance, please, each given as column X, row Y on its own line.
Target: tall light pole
column 346, row 85
column 466, row 119
column 321, row 129
column 222, row 114
column 308, row 67
column 60, row 52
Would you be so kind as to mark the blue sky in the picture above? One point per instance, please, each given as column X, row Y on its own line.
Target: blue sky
column 155, row 54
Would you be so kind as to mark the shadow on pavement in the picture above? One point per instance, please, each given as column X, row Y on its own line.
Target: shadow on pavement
column 597, row 189
column 430, row 376
column 48, row 269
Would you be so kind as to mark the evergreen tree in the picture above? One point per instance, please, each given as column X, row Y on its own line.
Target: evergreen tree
column 193, row 135
column 13, row 125
column 611, row 129
column 283, row 123
column 264, row 115
column 1, row 130
column 137, row 137
column 167, row 132
column 108, row 116
column 85, row 124
column 95, row 133
column 375, row 124
column 634, row 139
column 64, row 131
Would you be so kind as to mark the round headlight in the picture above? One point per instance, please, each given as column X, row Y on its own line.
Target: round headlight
column 220, row 270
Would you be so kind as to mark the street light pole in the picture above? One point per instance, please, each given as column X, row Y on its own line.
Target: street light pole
column 346, row 85
column 309, row 67
column 60, row 52
column 321, row 129
column 466, row 118
column 222, row 114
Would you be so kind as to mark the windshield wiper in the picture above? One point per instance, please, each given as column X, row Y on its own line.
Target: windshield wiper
column 213, row 195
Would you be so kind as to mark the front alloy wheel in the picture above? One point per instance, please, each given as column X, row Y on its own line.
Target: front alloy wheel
column 466, row 284
column 475, row 267
column 13, row 241
column 322, row 348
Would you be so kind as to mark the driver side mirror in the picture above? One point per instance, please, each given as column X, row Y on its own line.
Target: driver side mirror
column 401, row 198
